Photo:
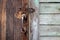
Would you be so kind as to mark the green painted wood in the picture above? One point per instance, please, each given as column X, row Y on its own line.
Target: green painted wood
column 10, row 24
column 49, row 8
column 49, row 0
column 49, row 38
column 49, row 19
column 49, row 31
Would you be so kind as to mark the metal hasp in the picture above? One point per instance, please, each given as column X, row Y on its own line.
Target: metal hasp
column 29, row 18
column 23, row 13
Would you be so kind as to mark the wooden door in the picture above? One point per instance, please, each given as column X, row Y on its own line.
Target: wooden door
column 13, row 24
column 10, row 26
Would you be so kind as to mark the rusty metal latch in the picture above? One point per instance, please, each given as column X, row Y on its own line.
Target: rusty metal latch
column 23, row 13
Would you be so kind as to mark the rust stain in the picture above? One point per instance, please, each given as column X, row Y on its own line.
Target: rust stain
column 18, row 15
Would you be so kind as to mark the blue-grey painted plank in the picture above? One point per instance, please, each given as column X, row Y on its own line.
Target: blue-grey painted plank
column 49, row 8
column 49, row 0
column 49, row 38
column 49, row 19
column 49, row 30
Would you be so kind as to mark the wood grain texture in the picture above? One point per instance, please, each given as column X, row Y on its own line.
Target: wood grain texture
column 10, row 25
column 49, row 19
column 17, row 22
column 34, row 21
column 49, row 7
column 49, row 0
column 3, row 21
column 49, row 30
column 9, row 19
column 49, row 38
column 0, row 16
column 17, row 29
column 13, row 25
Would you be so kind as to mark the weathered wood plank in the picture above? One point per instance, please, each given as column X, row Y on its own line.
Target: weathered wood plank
column 49, row 19
column 17, row 22
column 17, row 29
column 3, row 21
column 49, row 30
column 10, row 10
column 49, row 0
column 49, row 8
column 13, row 24
column 34, row 23
column 0, row 16
column 49, row 38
